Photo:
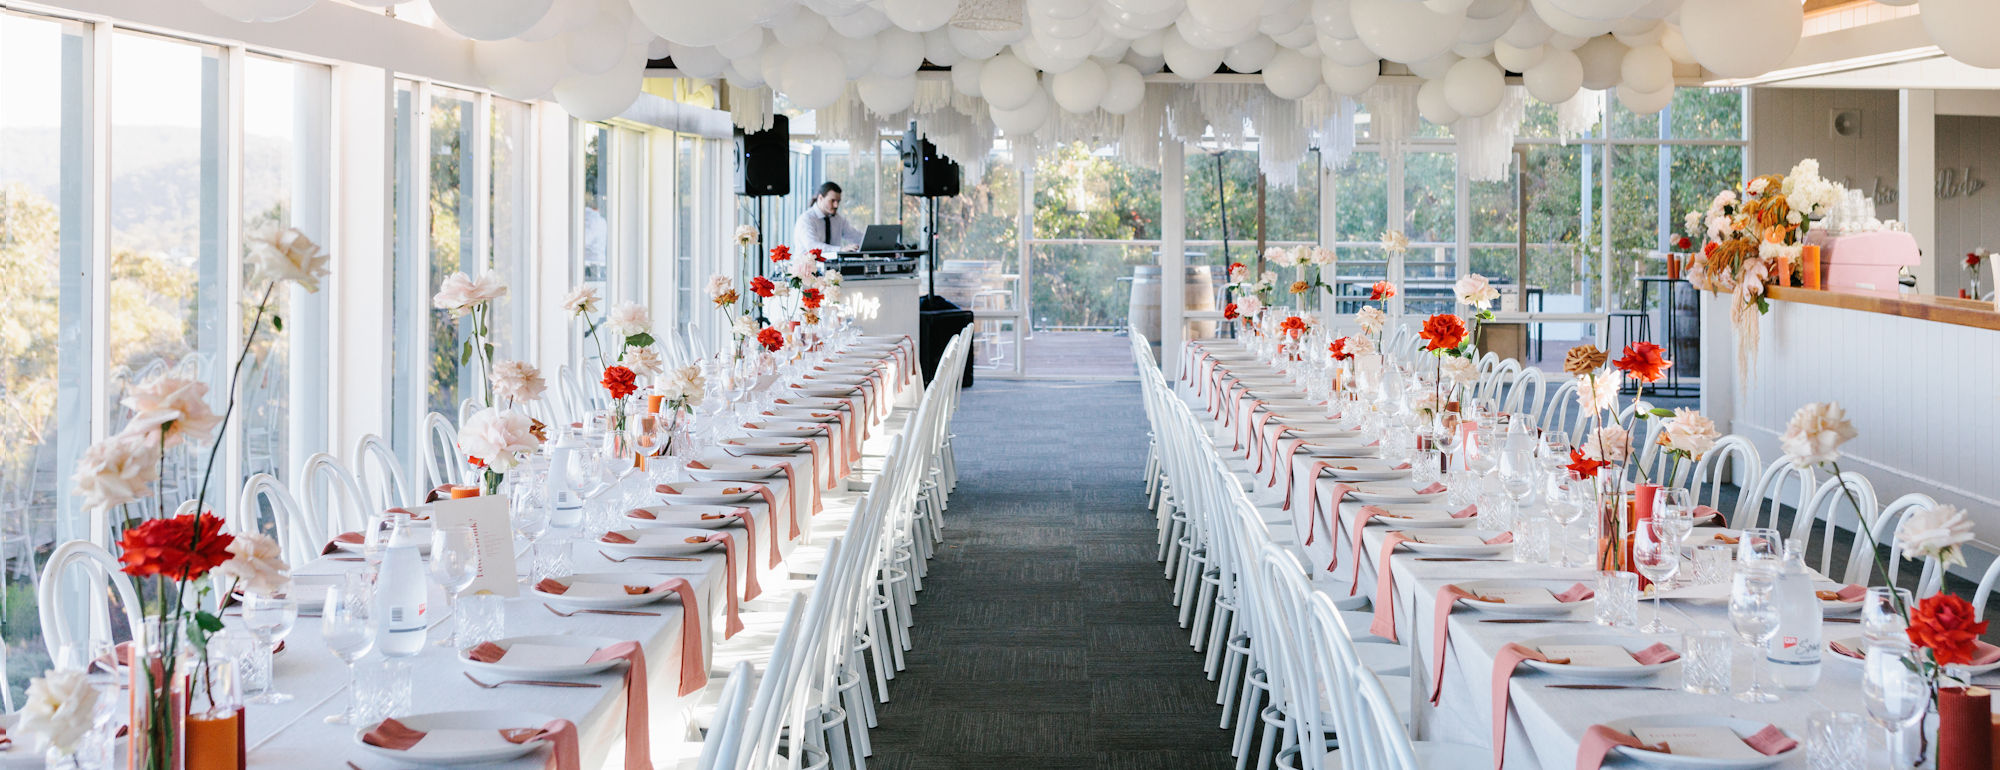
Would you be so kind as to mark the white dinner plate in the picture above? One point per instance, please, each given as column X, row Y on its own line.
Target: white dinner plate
column 310, row 588
column 1418, row 516
column 759, row 445
column 824, row 389
column 1528, row 603
column 604, row 591
column 660, row 541
column 1339, row 448
column 734, row 469
column 479, row 743
column 1742, row 727
column 1700, row 536
column 1861, row 644
column 567, row 656
column 685, row 516
column 1452, row 542
column 1597, row 673
column 1365, row 469
column 706, row 493
column 1322, row 431
column 812, row 402
column 1717, row 593
column 1391, row 492
column 784, row 429
column 800, row 414
column 21, row 753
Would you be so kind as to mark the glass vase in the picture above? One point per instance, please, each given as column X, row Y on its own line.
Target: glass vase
column 158, row 718
column 213, row 735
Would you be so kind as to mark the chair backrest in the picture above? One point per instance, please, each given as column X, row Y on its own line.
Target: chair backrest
column 1731, row 455
column 1758, row 506
column 1561, row 412
column 1930, row 577
column 1828, row 512
column 575, row 403
column 330, row 494
column 442, row 460
column 720, row 747
column 1494, row 384
column 299, row 536
column 1524, row 396
column 380, row 474
column 79, row 570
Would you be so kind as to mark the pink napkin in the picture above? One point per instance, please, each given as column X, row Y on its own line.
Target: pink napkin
column 750, row 544
column 792, row 487
column 638, row 726
column 1503, row 674
column 1361, row 517
column 1705, row 512
column 561, row 735
column 1842, row 649
column 1771, row 741
column 1433, row 489
column 1576, row 593
column 1656, row 654
column 1441, row 634
column 728, row 541
column 1500, row 539
column 1467, row 512
column 1281, row 466
column 1848, row 593
column 694, row 670
column 1597, row 742
column 1385, row 589
column 350, row 538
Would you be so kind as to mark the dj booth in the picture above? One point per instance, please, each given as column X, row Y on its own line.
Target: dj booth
column 883, row 288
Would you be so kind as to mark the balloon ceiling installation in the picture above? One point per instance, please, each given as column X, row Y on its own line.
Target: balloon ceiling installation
column 1077, row 68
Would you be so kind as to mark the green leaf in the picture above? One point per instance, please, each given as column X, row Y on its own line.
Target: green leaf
column 1662, row 412
column 465, row 354
column 640, row 340
column 207, row 621
column 278, row 322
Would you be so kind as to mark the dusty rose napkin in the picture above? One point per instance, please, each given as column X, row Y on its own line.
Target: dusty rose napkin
column 1846, row 593
column 1597, row 742
column 728, row 540
column 1503, row 674
column 1361, row 517
column 638, row 724
column 1385, row 589
column 616, row 539
column 1441, row 634
column 350, row 538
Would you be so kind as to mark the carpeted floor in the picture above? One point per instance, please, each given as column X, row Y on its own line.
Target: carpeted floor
column 1045, row 638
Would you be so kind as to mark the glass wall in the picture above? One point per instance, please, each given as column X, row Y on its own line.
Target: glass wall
column 451, row 241
column 510, row 231
column 592, row 267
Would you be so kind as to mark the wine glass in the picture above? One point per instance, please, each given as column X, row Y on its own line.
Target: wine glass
column 531, row 516
column 1554, row 449
column 454, row 565
column 1674, row 511
column 1517, row 479
column 1881, row 620
column 1898, row 697
column 269, row 619
column 1753, row 612
column 347, row 624
column 1759, row 543
column 1657, row 553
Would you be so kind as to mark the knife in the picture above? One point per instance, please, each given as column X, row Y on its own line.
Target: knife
column 1842, row 620
column 1529, row 620
column 1450, row 558
column 1606, row 687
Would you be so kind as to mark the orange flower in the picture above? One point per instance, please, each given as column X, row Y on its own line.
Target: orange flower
column 811, row 298
column 1584, row 466
column 1292, row 325
column 771, row 339
column 761, row 286
column 619, row 381
column 780, row 253
column 1229, row 312
column 1301, row 287
column 725, row 299
column 1944, row 624
column 1444, row 331
column 1643, row 361
column 1381, row 290
column 181, row 548
column 1339, row 350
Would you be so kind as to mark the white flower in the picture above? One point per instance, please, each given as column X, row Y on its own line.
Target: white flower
column 1268, row 278
column 61, row 709
column 1806, row 168
column 176, row 407
column 693, row 386
column 1460, row 370
column 1276, row 255
column 1935, row 532
column 830, row 279
column 746, row 235
column 1692, row 224
column 1395, row 242
column 644, row 361
column 1324, row 257
column 1474, row 290
column 802, row 269
column 719, row 285
column 1610, row 444
column 1249, row 305
column 1697, row 275
column 1360, row 346
column 518, row 381
column 1688, row 432
column 629, row 319
column 1815, row 434
column 287, row 255
column 1756, row 186
column 1750, row 284
column 117, row 470
column 1371, row 319
column 582, row 300
column 745, row 326
column 1300, row 256
column 461, row 294
column 1599, row 392
column 500, row 438
column 256, row 564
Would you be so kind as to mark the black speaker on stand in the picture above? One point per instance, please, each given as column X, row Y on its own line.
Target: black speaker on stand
column 763, row 169
column 930, row 176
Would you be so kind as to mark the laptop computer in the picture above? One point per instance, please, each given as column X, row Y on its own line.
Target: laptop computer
column 881, row 238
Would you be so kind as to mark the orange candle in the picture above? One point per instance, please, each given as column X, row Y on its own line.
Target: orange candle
column 654, row 401
column 463, row 491
column 1810, row 256
column 215, row 740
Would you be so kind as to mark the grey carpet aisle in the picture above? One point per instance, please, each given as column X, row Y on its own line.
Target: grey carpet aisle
column 1045, row 638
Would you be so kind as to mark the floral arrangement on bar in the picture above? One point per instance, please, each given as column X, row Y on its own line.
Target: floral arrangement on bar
column 175, row 560
column 1974, row 260
column 1754, row 235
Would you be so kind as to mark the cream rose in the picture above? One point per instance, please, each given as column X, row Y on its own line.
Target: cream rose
column 287, row 255
column 1371, row 319
column 1815, row 434
column 500, row 438
column 1474, row 290
column 117, row 470
column 802, row 269
column 1360, row 346
column 1325, row 257
column 1609, row 444
column 1599, row 392
column 1395, row 242
column 746, row 235
column 60, row 710
column 1935, row 532
column 644, row 361
column 630, row 318
column 1688, row 432
column 176, row 407
column 461, row 293
column 518, row 381
column 582, row 300
column 719, row 285
column 257, row 565
column 1460, row 370
column 745, row 326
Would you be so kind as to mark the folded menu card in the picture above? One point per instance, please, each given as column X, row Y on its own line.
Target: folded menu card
column 1712, row 741
column 492, row 536
column 1518, row 595
column 528, row 654
column 1597, row 655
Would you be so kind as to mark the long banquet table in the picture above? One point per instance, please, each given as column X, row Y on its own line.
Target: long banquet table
column 1546, row 725
column 295, row 732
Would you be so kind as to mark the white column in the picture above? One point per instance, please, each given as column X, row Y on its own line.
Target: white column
column 361, row 241
column 1916, row 175
column 1173, row 255
column 553, row 237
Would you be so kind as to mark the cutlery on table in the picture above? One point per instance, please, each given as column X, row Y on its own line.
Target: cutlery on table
column 646, row 558
column 1606, row 687
column 572, row 613
column 1529, row 620
column 352, row 766
column 1451, row 558
column 1842, row 620
column 531, row 682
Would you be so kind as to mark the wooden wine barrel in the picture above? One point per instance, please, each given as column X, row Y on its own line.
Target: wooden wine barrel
column 1198, row 294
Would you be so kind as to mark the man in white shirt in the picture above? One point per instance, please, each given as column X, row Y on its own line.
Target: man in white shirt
column 822, row 227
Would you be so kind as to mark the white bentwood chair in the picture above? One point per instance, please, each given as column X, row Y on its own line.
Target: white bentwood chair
column 80, row 570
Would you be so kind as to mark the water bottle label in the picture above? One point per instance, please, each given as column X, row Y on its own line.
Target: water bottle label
column 1794, row 651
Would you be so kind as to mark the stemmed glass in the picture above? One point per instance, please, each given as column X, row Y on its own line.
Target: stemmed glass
column 531, row 516
column 1554, row 449
column 1897, row 695
column 1759, row 543
column 1517, row 478
column 1880, row 622
column 1569, row 506
column 1753, row 611
column 269, row 619
column 454, row 565
column 1675, row 516
column 347, row 624
column 1657, row 553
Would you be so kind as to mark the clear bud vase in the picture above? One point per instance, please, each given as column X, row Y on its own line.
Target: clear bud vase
column 158, row 716
column 214, row 726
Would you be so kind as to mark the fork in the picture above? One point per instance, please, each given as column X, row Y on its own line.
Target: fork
column 533, row 682
column 573, row 613
column 647, row 558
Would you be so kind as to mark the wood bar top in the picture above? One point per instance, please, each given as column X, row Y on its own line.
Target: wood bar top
column 1949, row 310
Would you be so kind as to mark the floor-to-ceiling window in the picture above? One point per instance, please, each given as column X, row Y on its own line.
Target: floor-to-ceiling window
column 593, row 226
column 510, row 215
column 451, row 242
column 687, row 227
column 1096, row 234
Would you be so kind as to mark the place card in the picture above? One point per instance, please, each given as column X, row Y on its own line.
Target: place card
column 1711, row 741
column 1520, row 595
column 1452, row 539
column 492, row 536
column 530, row 654
column 1595, row 655
column 451, row 740
column 586, row 590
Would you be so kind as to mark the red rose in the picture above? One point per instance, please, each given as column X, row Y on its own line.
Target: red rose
column 1229, row 312
column 1972, row 259
column 1339, row 350
column 174, row 548
column 1944, row 624
column 780, row 253
column 762, row 286
column 1380, row 291
column 1708, row 249
column 816, row 255
column 1444, row 331
column 1683, row 243
column 1292, row 325
column 1584, row 466
column 812, row 297
column 1235, row 266
column 771, row 339
column 1643, row 361
column 619, row 381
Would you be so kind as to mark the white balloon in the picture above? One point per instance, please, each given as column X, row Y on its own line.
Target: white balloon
column 1598, row 10
column 379, row 3
column 1025, row 119
column 696, row 61
column 604, row 96
column 1251, row 55
column 1448, row 6
column 1146, row 65
column 519, row 69
column 919, row 15
column 1217, row 38
column 1473, row 87
column 1124, row 88
column 749, row 42
column 656, row 48
column 1143, row 22
column 1352, row 53
column 1517, row 59
column 1111, row 48
column 1224, row 14
column 1061, row 9
column 1486, row 30
column 1555, row 78
column 1963, row 29
column 279, row 10
column 802, row 29
column 1187, row 60
column 965, row 76
column 898, row 52
column 1149, row 44
column 1334, row 19
column 857, row 55
column 808, row 80
column 887, row 96
column 1434, row 67
column 1081, row 89
column 477, row 19
column 1281, row 20
column 1603, row 58
column 1037, row 55
column 1404, row 31
column 1566, row 23
column 1897, row 2
column 1638, row 32
column 1007, row 83
column 862, row 22
column 558, row 20
column 1432, row 105
column 973, row 43
column 1487, row 9
column 938, row 49
column 1147, row 6
column 1350, row 80
column 1742, row 38
column 1052, row 29
column 1645, row 102
column 1566, row 42
column 1472, row 50
column 1300, row 38
column 1647, row 69
column 1074, row 48
column 1291, row 75
column 1528, row 31
column 596, row 48
column 1676, row 46
column 693, row 22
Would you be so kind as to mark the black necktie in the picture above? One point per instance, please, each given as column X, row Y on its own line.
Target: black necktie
column 827, row 226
